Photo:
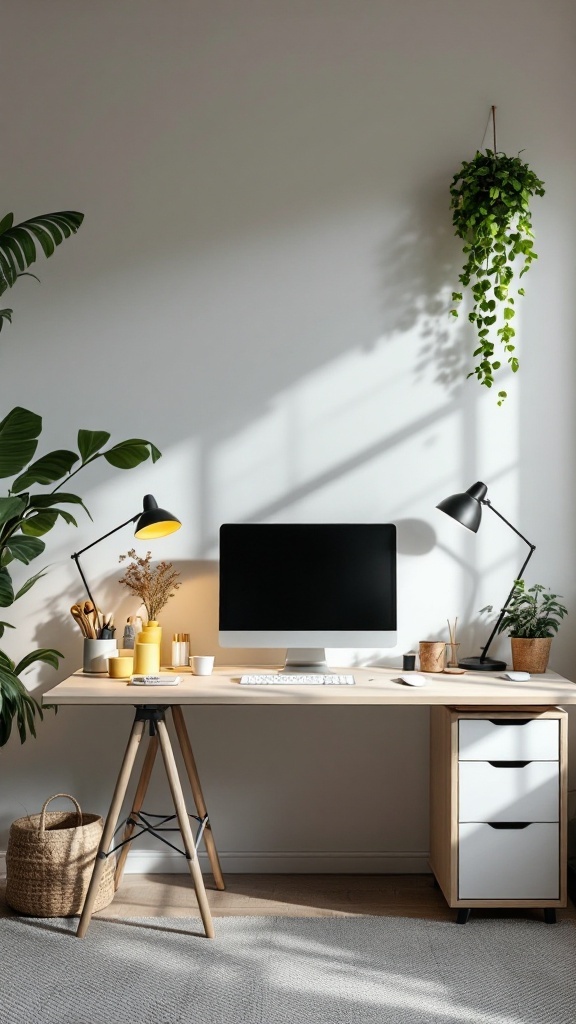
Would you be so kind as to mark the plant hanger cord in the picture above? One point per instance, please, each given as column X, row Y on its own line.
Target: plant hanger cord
column 492, row 115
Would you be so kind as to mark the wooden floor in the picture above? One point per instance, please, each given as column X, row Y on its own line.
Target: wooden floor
column 290, row 895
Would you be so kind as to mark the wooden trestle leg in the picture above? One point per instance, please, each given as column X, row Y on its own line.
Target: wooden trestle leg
column 159, row 737
column 191, row 770
column 185, row 827
column 110, row 824
column 136, row 807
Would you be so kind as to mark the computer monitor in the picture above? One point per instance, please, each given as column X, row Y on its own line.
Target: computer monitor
column 306, row 587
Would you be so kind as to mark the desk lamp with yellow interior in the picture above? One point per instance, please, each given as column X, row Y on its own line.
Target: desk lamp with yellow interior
column 151, row 524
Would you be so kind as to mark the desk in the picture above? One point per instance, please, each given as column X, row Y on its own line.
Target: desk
column 374, row 686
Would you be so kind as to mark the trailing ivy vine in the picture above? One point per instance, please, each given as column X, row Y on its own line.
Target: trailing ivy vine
column 490, row 203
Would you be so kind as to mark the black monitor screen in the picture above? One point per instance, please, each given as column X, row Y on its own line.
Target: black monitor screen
column 308, row 577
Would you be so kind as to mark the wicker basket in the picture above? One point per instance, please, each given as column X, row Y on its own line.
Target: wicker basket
column 49, row 862
column 531, row 654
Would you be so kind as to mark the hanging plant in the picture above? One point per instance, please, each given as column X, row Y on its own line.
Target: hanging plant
column 491, row 212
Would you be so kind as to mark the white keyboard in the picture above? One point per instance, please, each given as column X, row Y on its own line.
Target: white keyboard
column 294, row 679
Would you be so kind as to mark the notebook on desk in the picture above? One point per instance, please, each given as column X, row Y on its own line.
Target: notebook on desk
column 154, row 681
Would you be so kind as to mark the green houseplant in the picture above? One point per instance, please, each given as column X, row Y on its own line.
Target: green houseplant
column 532, row 619
column 19, row 245
column 490, row 203
column 26, row 513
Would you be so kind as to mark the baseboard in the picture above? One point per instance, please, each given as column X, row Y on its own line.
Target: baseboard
column 154, row 861
column 158, row 861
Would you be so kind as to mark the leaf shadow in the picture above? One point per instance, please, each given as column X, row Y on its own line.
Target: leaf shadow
column 418, row 273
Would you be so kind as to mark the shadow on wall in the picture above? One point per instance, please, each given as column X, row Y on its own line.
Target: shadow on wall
column 414, row 537
column 419, row 270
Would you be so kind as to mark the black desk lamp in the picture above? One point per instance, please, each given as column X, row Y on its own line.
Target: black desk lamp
column 151, row 523
column 466, row 508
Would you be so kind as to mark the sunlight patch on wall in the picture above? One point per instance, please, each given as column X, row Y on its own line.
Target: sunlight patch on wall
column 334, row 434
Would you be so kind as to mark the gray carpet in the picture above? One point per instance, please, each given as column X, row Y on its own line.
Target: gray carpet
column 263, row 970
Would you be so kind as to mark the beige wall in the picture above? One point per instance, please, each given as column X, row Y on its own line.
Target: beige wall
column 261, row 287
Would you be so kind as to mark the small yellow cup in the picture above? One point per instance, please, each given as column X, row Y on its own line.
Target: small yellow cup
column 120, row 668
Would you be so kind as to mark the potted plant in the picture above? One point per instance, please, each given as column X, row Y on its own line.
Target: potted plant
column 26, row 514
column 532, row 619
column 490, row 203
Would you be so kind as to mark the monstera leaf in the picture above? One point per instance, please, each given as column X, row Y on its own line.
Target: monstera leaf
column 26, row 514
column 15, row 700
column 19, row 245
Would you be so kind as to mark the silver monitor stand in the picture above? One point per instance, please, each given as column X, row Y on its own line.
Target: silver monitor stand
column 305, row 660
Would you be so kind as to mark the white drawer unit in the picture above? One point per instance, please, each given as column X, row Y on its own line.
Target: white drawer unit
column 513, row 791
column 508, row 739
column 508, row 863
column 498, row 803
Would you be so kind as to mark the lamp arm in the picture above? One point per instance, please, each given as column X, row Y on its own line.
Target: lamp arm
column 109, row 534
column 486, row 501
column 76, row 557
column 85, row 582
column 532, row 547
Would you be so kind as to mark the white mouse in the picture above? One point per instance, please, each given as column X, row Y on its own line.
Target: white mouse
column 413, row 679
column 517, row 677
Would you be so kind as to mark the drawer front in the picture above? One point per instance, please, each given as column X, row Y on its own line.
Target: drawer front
column 490, row 793
column 509, row 864
column 528, row 740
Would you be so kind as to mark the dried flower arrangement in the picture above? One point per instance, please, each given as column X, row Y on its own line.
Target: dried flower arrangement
column 154, row 586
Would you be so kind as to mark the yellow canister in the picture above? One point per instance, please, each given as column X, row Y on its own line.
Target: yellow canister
column 146, row 658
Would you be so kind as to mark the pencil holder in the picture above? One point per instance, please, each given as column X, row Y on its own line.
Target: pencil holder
column 96, row 654
column 452, row 655
column 432, row 655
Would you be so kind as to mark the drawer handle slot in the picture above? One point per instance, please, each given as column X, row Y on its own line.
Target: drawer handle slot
column 508, row 824
column 510, row 721
column 509, row 764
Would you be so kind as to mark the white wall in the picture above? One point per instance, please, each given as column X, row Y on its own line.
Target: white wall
column 261, row 288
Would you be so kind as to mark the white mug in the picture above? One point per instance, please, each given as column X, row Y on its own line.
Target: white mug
column 202, row 664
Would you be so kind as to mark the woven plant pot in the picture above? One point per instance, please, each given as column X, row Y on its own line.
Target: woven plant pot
column 49, row 862
column 530, row 654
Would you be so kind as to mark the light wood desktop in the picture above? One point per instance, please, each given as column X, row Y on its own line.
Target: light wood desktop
column 374, row 686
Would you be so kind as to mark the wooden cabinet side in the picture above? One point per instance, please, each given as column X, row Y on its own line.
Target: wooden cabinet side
column 443, row 800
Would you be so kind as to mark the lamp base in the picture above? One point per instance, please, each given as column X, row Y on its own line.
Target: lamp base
column 479, row 664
